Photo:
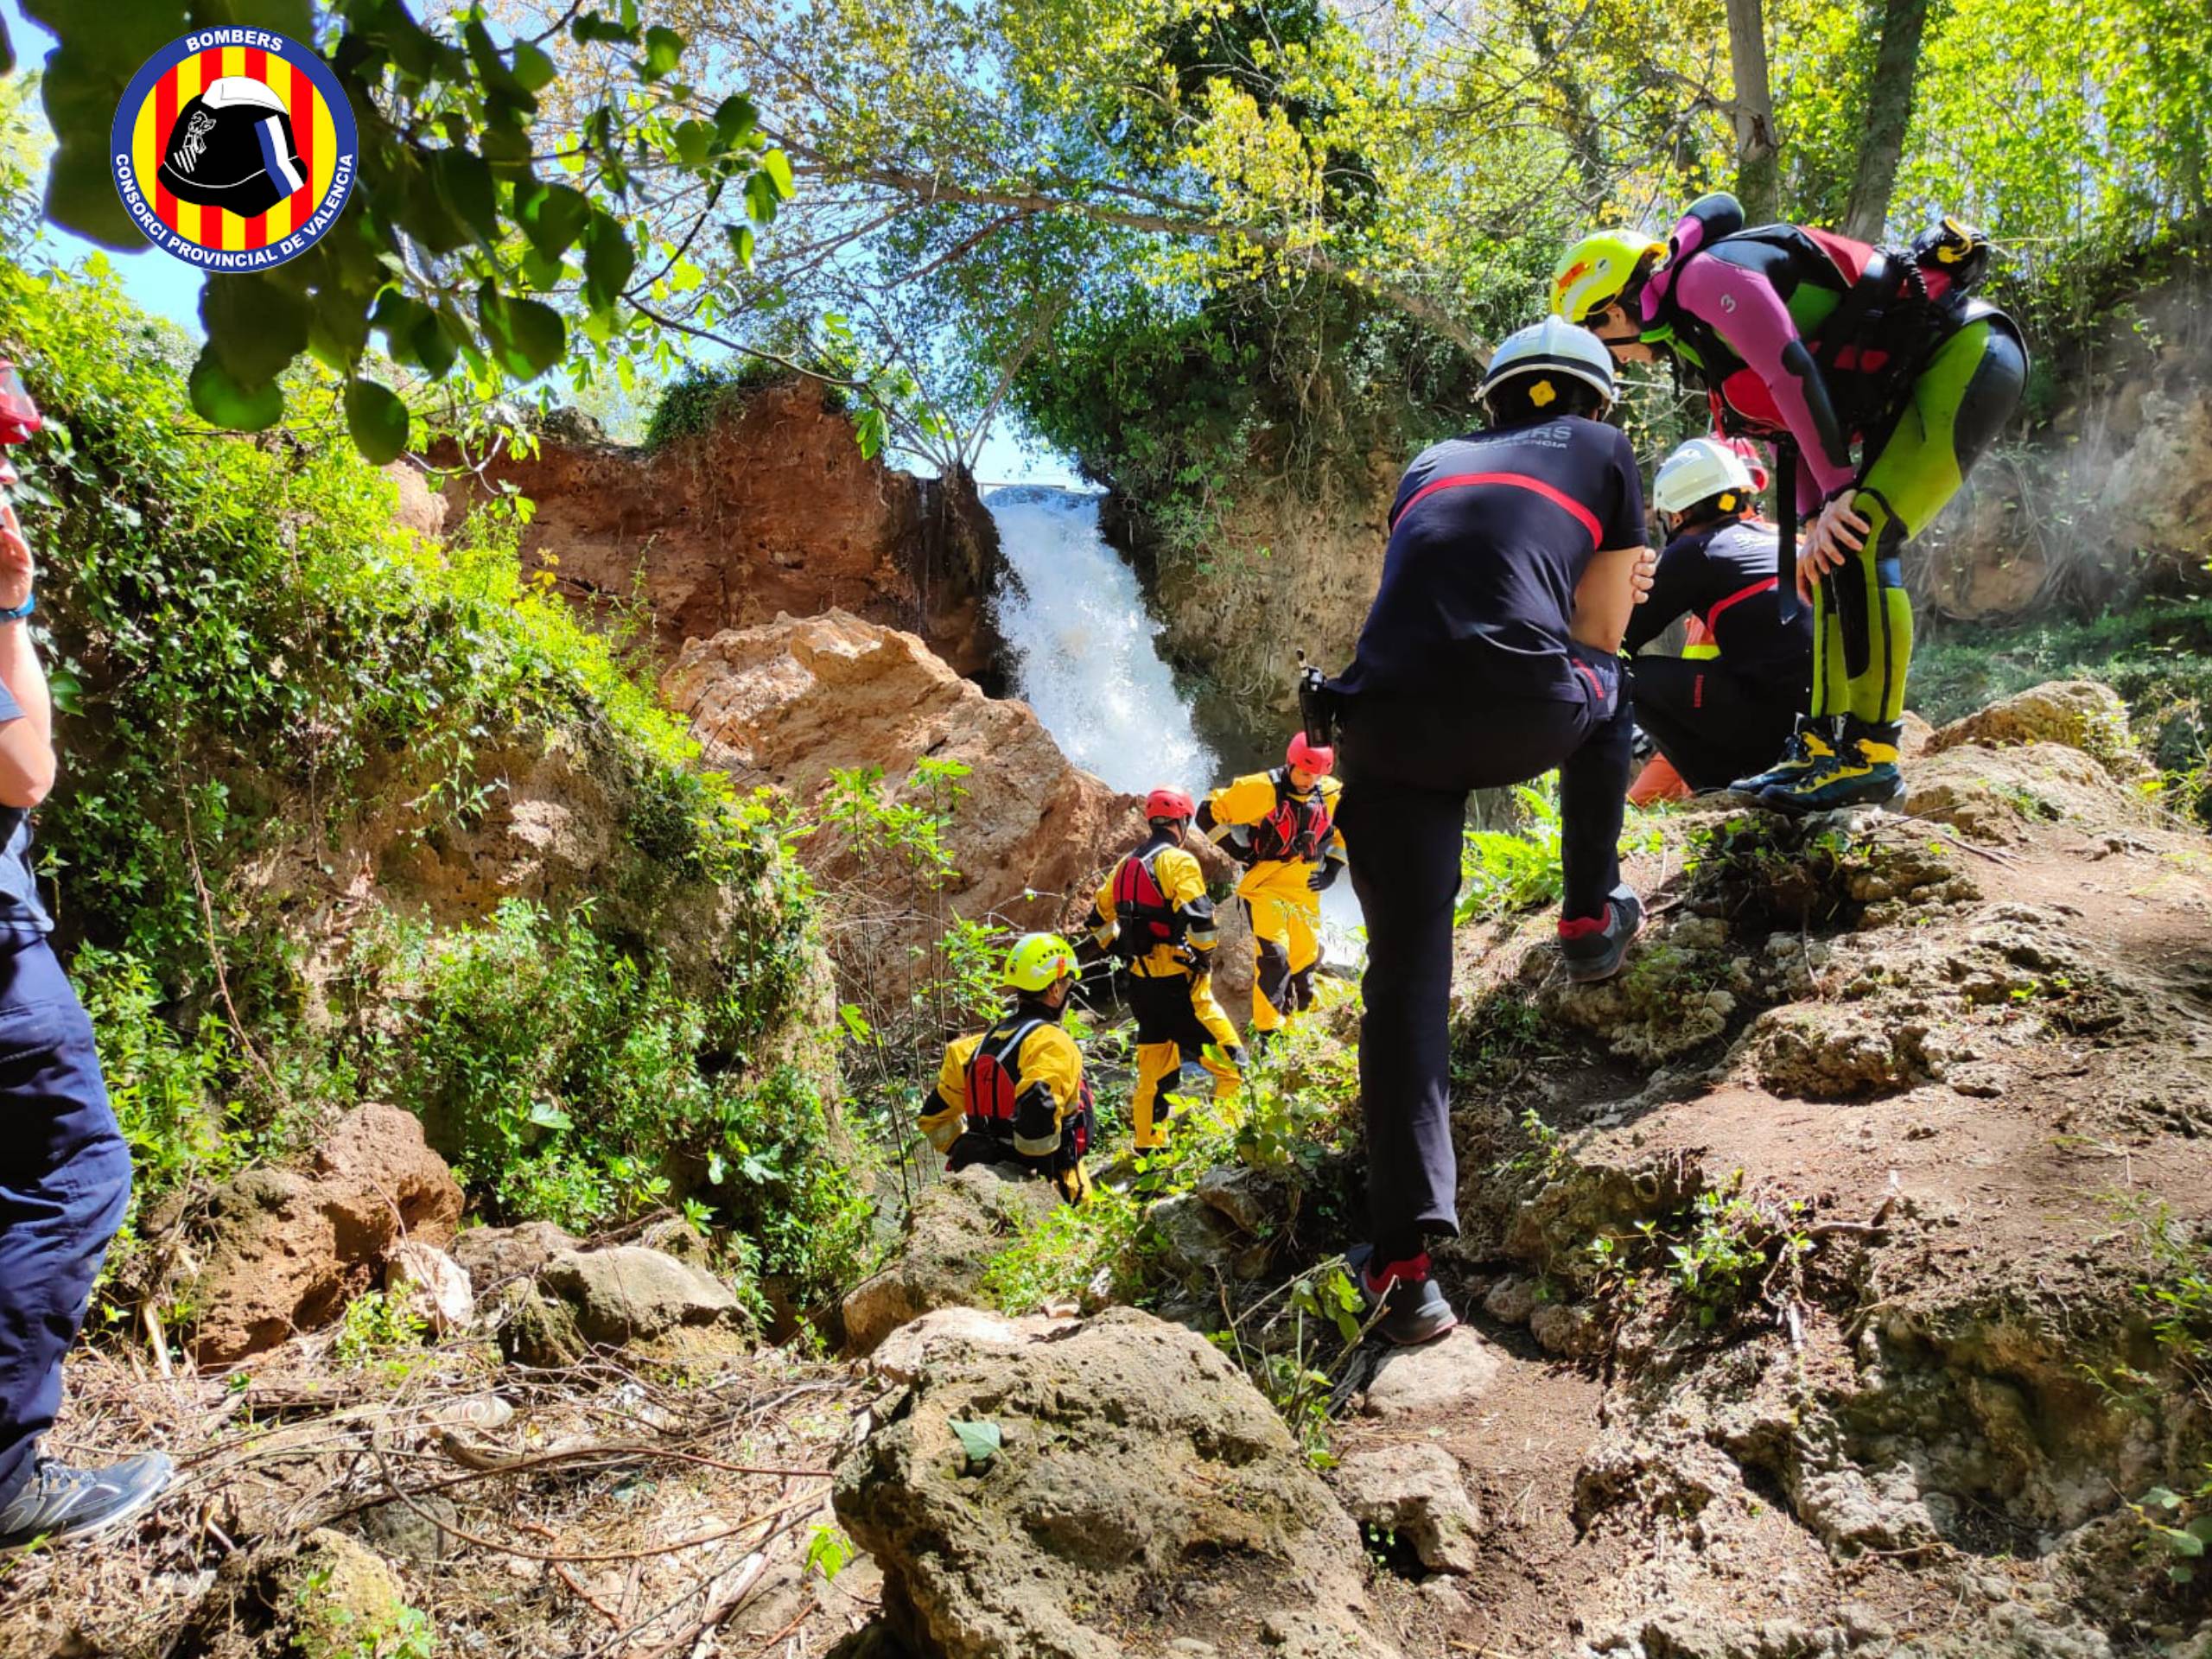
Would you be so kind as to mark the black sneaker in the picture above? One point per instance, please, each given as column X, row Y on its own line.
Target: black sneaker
column 1593, row 946
column 58, row 1501
column 1413, row 1309
column 1810, row 746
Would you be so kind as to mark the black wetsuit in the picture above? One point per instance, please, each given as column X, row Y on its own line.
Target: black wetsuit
column 1720, row 717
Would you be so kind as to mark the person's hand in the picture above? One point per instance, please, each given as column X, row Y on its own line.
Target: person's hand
column 1325, row 875
column 17, row 568
column 1646, row 572
column 1835, row 535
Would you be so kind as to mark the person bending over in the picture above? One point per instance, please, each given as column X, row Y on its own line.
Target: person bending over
column 1014, row 1095
column 1489, row 657
column 1882, row 378
column 1727, row 710
column 1154, row 914
column 1281, row 826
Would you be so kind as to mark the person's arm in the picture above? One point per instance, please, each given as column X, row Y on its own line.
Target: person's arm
column 1184, row 885
column 1234, row 806
column 1051, row 1072
column 27, row 763
column 1674, row 590
column 1740, row 303
column 1620, row 572
column 947, row 1113
column 1100, row 924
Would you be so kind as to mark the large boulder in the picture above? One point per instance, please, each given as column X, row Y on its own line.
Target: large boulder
column 2084, row 714
column 277, row 1251
column 1141, row 1486
column 630, row 1294
column 952, row 1232
column 792, row 702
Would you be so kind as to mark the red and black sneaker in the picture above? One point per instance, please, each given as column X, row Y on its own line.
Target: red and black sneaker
column 1594, row 945
column 1413, row 1310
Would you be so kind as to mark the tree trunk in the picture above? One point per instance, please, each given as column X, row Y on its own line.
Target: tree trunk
column 1759, row 152
column 1889, row 115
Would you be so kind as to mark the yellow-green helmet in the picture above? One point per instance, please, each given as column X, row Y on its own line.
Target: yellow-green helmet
column 1040, row 961
column 1598, row 270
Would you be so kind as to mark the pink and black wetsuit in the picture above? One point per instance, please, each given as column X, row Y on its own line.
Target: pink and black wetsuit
column 1882, row 382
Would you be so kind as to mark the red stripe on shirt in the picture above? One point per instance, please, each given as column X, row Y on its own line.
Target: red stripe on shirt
column 1712, row 616
column 1558, row 497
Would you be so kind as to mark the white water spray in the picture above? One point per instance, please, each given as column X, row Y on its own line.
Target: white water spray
column 1084, row 654
column 1086, row 658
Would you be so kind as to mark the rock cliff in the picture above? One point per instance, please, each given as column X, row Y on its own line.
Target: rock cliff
column 770, row 509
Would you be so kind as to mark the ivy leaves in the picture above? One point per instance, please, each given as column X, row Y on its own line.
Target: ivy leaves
column 491, row 232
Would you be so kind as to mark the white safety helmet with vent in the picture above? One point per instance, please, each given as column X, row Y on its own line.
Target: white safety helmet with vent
column 1698, row 471
column 1554, row 347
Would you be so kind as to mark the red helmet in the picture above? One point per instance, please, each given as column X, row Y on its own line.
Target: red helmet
column 1311, row 756
column 1753, row 458
column 1168, row 803
column 19, row 421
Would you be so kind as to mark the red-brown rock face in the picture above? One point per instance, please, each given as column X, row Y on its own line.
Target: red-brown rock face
column 791, row 702
column 771, row 509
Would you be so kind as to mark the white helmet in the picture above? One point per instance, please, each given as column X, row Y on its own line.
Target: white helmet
column 1554, row 347
column 1700, row 470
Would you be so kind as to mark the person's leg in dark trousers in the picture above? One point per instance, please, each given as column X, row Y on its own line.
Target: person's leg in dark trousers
column 1713, row 726
column 1592, row 797
column 1405, row 867
column 65, row 1182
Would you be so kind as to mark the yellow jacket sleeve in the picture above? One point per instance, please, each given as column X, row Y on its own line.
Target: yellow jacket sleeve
column 1246, row 801
column 1332, row 792
column 947, row 1113
column 1052, row 1067
column 1184, row 885
column 1102, row 906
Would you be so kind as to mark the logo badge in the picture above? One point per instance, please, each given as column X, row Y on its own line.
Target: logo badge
column 233, row 150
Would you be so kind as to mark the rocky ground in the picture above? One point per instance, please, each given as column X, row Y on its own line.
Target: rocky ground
column 1834, row 1285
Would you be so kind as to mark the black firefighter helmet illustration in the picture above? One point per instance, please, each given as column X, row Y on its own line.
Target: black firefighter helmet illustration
column 232, row 147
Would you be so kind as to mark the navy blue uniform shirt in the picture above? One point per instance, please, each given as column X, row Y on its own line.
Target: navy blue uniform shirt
column 1724, row 574
column 1488, row 538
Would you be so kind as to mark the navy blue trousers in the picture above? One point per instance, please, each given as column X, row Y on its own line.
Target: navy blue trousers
column 65, row 1181
column 1408, row 768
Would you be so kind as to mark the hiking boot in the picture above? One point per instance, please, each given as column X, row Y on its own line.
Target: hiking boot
column 1413, row 1310
column 1812, row 743
column 1593, row 946
column 58, row 1501
column 1862, row 771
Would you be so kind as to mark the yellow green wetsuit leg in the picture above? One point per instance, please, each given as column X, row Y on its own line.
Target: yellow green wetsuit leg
column 1862, row 619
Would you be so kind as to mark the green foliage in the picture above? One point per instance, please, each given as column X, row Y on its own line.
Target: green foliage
column 697, row 397
column 375, row 1328
column 575, row 1082
column 259, row 675
column 450, row 220
column 1505, row 872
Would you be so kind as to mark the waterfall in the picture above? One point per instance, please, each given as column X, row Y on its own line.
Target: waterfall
column 1086, row 658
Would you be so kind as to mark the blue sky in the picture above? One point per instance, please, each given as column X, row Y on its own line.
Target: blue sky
column 171, row 287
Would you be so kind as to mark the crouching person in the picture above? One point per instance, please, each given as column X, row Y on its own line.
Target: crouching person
column 1714, row 710
column 1014, row 1095
column 1154, row 914
column 65, row 1171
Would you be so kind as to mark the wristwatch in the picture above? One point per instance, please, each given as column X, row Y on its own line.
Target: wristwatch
column 17, row 613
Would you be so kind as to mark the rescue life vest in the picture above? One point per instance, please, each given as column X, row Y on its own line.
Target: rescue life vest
column 993, row 1079
column 1141, row 906
column 1297, row 828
